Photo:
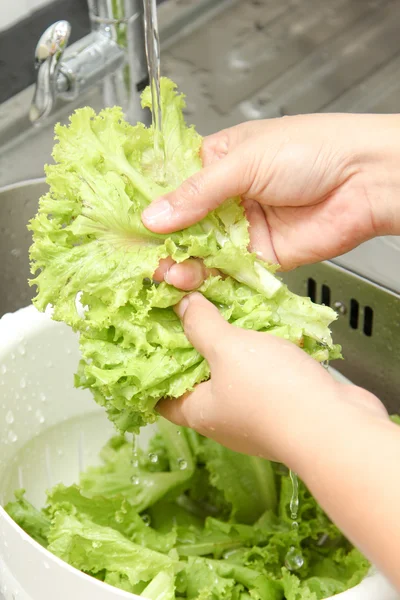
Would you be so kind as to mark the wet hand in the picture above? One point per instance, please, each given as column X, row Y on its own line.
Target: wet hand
column 313, row 186
column 265, row 394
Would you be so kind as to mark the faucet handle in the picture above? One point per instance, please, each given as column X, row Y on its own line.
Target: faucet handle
column 48, row 55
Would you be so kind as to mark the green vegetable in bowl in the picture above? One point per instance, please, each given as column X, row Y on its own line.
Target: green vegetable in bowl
column 90, row 249
column 218, row 529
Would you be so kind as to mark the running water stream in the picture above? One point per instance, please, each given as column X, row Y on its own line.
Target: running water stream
column 153, row 65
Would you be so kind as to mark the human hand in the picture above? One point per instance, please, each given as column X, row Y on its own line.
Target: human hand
column 266, row 396
column 313, row 187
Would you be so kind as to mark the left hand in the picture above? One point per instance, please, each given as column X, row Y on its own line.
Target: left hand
column 266, row 397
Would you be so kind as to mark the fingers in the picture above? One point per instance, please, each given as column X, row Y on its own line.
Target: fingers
column 203, row 324
column 190, row 410
column 227, row 173
column 217, row 145
column 186, row 276
column 260, row 238
column 200, row 194
column 162, row 269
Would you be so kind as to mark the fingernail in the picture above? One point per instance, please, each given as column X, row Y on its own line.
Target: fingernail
column 160, row 210
column 180, row 308
column 167, row 278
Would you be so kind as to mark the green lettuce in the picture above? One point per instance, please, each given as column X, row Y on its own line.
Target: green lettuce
column 93, row 263
column 220, row 537
column 34, row 522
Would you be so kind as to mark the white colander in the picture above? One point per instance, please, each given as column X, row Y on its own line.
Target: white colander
column 49, row 432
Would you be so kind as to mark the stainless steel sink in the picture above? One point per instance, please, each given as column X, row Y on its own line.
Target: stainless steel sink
column 18, row 204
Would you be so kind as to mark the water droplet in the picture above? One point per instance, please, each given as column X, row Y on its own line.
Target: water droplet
column 323, row 539
column 42, row 397
column 49, row 364
column 153, row 458
column 39, row 416
column 60, row 452
column 22, row 383
column 146, row 520
column 182, row 464
column 29, row 408
column 12, row 436
column 119, row 517
column 46, row 565
column 22, row 349
column 178, row 432
column 135, row 480
column 96, row 544
column 294, row 500
column 16, row 252
column 294, row 559
column 10, row 417
column 3, row 369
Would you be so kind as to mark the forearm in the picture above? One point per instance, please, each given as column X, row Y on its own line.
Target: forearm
column 352, row 468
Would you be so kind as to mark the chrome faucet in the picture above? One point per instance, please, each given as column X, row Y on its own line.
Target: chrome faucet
column 114, row 53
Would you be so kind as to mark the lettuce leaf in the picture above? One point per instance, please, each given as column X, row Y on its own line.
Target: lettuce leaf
column 117, row 473
column 182, row 545
column 34, row 522
column 246, row 482
column 93, row 262
column 94, row 548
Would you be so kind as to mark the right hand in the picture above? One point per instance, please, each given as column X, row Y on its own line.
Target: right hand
column 313, row 187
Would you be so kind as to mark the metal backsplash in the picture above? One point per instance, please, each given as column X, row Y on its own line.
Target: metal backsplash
column 368, row 326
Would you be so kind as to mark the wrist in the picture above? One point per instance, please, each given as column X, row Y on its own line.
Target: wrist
column 376, row 156
column 343, row 427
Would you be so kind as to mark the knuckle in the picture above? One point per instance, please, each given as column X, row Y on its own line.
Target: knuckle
column 216, row 146
column 191, row 189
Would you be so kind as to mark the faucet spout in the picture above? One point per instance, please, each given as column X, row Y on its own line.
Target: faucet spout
column 48, row 55
column 113, row 53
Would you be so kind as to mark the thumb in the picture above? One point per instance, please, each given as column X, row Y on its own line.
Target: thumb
column 203, row 324
column 198, row 195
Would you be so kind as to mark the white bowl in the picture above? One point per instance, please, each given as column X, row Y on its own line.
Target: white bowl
column 49, row 431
